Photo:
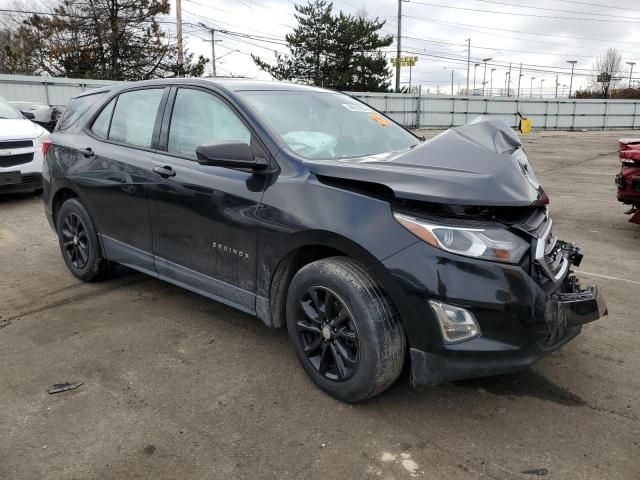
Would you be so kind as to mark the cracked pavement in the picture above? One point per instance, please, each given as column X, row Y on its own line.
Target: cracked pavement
column 178, row 386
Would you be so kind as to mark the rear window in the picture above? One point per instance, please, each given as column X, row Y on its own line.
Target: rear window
column 76, row 108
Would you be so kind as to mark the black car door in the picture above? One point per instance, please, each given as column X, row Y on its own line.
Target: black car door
column 203, row 218
column 114, row 168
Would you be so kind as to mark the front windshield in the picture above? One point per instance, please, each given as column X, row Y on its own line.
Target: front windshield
column 7, row 111
column 326, row 125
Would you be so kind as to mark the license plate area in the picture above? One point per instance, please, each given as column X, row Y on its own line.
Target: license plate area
column 10, row 178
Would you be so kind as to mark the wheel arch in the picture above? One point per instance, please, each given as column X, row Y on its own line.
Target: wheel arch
column 305, row 248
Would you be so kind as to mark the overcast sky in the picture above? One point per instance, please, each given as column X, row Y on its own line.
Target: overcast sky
column 528, row 32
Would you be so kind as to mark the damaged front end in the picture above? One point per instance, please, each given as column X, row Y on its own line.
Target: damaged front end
column 473, row 211
column 569, row 305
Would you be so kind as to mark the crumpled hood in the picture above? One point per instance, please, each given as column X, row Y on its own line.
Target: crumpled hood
column 481, row 163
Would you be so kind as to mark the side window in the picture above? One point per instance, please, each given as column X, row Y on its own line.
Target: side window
column 199, row 118
column 101, row 123
column 134, row 117
column 75, row 108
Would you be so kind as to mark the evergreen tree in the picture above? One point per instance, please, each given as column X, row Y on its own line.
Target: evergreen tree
column 335, row 51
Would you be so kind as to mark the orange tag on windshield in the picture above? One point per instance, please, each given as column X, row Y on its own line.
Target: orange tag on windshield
column 380, row 119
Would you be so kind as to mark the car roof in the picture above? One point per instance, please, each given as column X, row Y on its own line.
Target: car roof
column 229, row 84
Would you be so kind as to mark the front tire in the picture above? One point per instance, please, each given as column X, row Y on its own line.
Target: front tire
column 345, row 331
column 79, row 244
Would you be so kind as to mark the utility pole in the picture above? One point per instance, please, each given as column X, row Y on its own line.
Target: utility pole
column 509, row 82
column 519, row 78
column 213, row 51
column 557, row 86
column 573, row 64
column 475, row 67
column 399, row 45
column 469, row 64
column 531, row 87
column 491, row 81
column 631, row 72
column 213, row 46
column 179, row 33
column 484, row 75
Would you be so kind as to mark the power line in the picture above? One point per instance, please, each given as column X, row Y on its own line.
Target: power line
column 599, row 5
column 520, row 14
column 547, row 9
column 537, row 34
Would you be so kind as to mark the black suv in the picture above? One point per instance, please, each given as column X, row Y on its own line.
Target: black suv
column 310, row 209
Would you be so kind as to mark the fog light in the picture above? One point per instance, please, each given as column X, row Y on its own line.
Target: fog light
column 456, row 324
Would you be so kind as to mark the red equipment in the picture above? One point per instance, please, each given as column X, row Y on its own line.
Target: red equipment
column 628, row 180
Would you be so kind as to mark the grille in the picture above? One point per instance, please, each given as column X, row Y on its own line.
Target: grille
column 549, row 254
column 16, row 144
column 13, row 160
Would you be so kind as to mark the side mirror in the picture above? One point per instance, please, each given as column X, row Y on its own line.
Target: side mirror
column 28, row 115
column 232, row 154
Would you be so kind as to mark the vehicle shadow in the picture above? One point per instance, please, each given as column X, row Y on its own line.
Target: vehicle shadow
column 7, row 198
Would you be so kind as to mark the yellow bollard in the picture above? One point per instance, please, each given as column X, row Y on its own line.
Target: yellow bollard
column 526, row 125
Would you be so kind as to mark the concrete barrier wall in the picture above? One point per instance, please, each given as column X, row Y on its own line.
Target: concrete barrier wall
column 47, row 90
column 424, row 111
column 439, row 111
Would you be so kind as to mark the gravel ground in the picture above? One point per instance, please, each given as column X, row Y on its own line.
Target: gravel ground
column 178, row 386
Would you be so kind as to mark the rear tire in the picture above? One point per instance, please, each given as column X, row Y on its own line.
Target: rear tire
column 345, row 331
column 79, row 243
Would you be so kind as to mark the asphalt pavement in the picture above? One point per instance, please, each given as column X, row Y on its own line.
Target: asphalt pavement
column 180, row 387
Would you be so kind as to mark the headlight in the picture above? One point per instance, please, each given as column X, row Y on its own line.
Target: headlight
column 42, row 141
column 495, row 244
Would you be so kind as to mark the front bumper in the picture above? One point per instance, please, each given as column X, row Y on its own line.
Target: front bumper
column 24, row 182
column 568, row 311
column 522, row 317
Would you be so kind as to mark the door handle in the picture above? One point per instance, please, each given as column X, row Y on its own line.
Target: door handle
column 164, row 172
column 87, row 152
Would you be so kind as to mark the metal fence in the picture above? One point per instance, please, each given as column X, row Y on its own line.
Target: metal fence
column 439, row 111
column 423, row 111
column 48, row 90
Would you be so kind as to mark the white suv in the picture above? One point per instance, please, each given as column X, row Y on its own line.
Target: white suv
column 20, row 151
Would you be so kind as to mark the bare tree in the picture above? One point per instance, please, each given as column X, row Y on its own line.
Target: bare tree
column 607, row 76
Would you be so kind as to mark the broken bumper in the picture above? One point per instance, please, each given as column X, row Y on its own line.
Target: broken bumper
column 568, row 313
column 576, row 309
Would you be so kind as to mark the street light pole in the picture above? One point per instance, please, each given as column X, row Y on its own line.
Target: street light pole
column 484, row 75
column 531, row 87
column 631, row 72
column 541, row 82
column 452, row 82
column 468, row 64
column 557, row 83
column 491, row 81
column 573, row 64
column 519, row 78
column 475, row 68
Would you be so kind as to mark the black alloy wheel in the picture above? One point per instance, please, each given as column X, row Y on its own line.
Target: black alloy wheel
column 79, row 242
column 344, row 329
column 328, row 334
column 75, row 240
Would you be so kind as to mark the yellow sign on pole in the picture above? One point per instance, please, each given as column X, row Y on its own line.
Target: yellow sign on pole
column 405, row 61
